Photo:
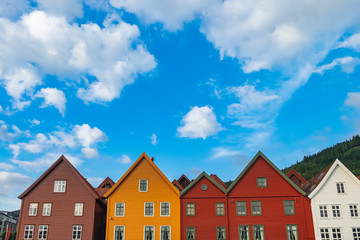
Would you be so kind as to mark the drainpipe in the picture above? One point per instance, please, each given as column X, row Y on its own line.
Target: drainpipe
column 227, row 217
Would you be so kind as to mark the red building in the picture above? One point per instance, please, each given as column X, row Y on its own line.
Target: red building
column 61, row 204
column 263, row 203
column 203, row 209
column 296, row 178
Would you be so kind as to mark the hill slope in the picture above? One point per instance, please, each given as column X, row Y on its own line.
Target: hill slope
column 347, row 152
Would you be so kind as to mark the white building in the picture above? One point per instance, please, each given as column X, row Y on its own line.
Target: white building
column 335, row 200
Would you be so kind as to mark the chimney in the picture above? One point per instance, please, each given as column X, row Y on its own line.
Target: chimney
column 152, row 158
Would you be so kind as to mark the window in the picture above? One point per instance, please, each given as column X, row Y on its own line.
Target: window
column 244, row 232
column 261, row 182
column 119, row 233
column 289, row 207
column 29, row 232
column 190, row 209
column 292, row 232
column 356, row 233
column 149, row 209
column 258, row 232
column 336, row 211
column 165, row 233
column 59, row 186
column 340, row 188
column 119, row 209
column 33, row 209
column 220, row 209
column 76, row 233
column 336, row 234
column 241, row 208
column 323, row 211
column 46, row 209
column 164, row 209
column 143, row 185
column 190, row 233
column 324, row 234
column 43, row 230
column 149, row 233
column 78, row 209
column 256, row 207
column 354, row 210
column 220, row 233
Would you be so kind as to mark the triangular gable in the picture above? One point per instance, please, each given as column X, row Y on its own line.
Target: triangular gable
column 62, row 158
column 177, row 184
column 142, row 157
column 203, row 174
column 108, row 181
column 297, row 175
column 218, row 180
column 337, row 163
column 313, row 182
column 255, row 158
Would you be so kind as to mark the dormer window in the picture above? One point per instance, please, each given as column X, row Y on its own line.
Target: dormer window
column 261, row 182
column 143, row 185
column 60, row 186
column 340, row 188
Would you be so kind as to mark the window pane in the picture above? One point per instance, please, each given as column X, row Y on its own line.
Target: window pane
column 289, row 207
column 292, row 232
column 119, row 209
column 256, row 207
column 149, row 209
column 190, row 209
column 221, row 233
column 119, row 232
column 241, row 208
column 258, row 232
column 244, row 232
column 165, row 233
column 149, row 233
column 165, row 209
column 261, row 182
column 143, row 185
column 220, row 209
column 190, row 233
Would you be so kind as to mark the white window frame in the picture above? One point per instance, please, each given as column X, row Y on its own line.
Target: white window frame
column 120, row 215
column 290, row 229
column 326, row 233
column 161, row 237
column 29, row 232
column 336, row 231
column 33, row 208
column 244, row 229
column 115, row 231
column 356, row 230
column 46, row 212
column 152, row 209
column 45, row 228
column 79, row 209
column 261, row 230
column 59, row 186
column 153, row 230
column 340, row 186
column 147, row 185
column 337, row 211
column 323, row 209
column 354, row 210
column 164, row 215
column 76, row 228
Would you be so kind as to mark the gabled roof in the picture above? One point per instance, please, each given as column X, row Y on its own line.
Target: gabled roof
column 177, row 184
column 255, row 158
column 310, row 185
column 143, row 157
column 218, row 180
column 107, row 181
column 61, row 159
column 203, row 174
column 297, row 175
column 327, row 175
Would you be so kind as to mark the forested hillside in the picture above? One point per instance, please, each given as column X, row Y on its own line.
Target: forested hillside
column 347, row 152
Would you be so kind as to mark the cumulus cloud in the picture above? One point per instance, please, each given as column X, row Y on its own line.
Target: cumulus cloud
column 199, row 122
column 13, row 8
column 347, row 64
column 125, row 159
column 53, row 97
column 34, row 122
column 11, row 180
column 353, row 100
column 352, row 42
column 5, row 134
column 67, row 8
column 154, row 140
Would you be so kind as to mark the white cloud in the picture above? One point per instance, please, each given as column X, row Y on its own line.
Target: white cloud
column 90, row 152
column 5, row 134
column 352, row 42
column 89, row 136
column 224, row 152
column 353, row 100
column 347, row 64
column 13, row 8
column 10, row 181
column 67, row 8
column 6, row 166
column 199, row 122
column 53, row 97
column 34, row 122
column 125, row 159
column 154, row 140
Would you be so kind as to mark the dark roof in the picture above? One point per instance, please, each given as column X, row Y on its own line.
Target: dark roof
column 177, row 184
column 61, row 159
column 105, row 186
column 297, row 175
column 218, row 180
column 312, row 183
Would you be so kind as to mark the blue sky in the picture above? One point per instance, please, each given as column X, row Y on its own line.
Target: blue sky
column 200, row 85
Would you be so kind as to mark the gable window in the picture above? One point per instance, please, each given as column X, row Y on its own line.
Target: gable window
column 220, row 233
column 76, row 232
column 43, row 230
column 60, row 186
column 119, row 233
column 220, row 209
column 190, row 233
column 258, row 232
column 323, row 211
column 165, row 233
column 292, row 232
column 165, row 209
column 256, row 208
column 143, row 185
column 354, row 210
column 336, row 211
column 324, row 234
column 29, row 232
column 149, row 233
column 336, row 233
column 149, row 209
column 46, row 209
column 289, row 207
column 356, row 233
column 78, row 209
column 241, row 208
column 190, row 209
column 244, row 232
column 33, row 209
column 119, row 209
column 261, row 182
column 340, row 188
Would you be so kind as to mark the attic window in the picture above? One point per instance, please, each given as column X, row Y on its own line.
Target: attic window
column 143, row 185
column 60, row 186
column 107, row 185
column 261, row 182
column 340, row 188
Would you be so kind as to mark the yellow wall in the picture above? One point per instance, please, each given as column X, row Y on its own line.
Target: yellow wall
column 134, row 219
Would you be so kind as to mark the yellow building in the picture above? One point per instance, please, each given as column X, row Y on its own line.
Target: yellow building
column 143, row 205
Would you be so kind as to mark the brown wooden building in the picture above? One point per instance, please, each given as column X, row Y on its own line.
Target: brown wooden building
column 62, row 204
